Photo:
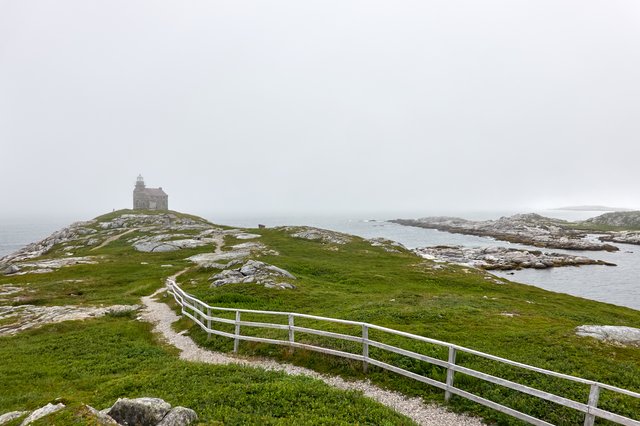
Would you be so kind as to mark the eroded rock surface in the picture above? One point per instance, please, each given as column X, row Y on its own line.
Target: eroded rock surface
column 503, row 258
column 42, row 412
column 529, row 229
column 25, row 317
column 389, row 246
column 139, row 411
column 13, row 415
column 615, row 334
column 179, row 416
column 623, row 237
column 618, row 219
column 317, row 234
column 254, row 271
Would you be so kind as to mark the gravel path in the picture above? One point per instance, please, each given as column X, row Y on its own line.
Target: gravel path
column 162, row 317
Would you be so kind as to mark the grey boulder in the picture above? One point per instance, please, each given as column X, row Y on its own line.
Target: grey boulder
column 139, row 411
column 179, row 416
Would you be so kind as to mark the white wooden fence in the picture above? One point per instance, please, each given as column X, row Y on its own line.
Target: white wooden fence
column 200, row 313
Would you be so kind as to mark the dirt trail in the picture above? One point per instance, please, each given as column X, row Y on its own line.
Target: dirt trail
column 115, row 237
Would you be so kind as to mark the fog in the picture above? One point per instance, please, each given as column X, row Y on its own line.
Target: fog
column 332, row 107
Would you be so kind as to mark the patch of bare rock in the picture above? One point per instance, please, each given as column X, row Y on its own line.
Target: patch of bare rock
column 627, row 336
column 139, row 412
column 25, row 317
column 623, row 237
column 254, row 271
column 503, row 258
column 317, row 234
column 529, row 229
column 389, row 246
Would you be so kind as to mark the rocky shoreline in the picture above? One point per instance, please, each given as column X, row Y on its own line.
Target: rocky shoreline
column 528, row 229
column 504, row 259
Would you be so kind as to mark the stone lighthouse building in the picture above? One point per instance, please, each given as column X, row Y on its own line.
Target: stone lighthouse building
column 149, row 198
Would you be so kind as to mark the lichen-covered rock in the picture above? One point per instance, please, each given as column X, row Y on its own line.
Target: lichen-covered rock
column 530, row 229
column 42, row 412
column 503, row 258
column 610, row 333
column 13, row 415
column 253, row 271
column 317, row 234
column 8, row 269
column 179, row 416
column 139, row 411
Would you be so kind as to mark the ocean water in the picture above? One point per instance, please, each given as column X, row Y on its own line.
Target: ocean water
column 619, row 285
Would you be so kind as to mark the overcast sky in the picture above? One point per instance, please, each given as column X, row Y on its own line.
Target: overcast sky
column 331, row 106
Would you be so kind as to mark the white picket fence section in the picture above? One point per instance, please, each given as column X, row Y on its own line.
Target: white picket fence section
column 200, row 313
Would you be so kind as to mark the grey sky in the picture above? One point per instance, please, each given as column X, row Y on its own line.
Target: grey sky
column 331, row 106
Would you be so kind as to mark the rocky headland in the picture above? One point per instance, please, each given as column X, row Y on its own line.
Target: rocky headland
column 627, row 220
column 528, row 229
column 503, row 258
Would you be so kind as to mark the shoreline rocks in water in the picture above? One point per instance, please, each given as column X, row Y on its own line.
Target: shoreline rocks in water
column 504, row 259
column 622, row 237
column 529, row 229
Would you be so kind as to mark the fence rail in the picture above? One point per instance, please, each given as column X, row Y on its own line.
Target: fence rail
column 200, row 313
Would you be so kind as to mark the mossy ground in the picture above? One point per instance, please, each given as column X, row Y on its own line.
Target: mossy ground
column 353, row 281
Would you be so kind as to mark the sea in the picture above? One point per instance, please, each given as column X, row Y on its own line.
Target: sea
column 618, row 285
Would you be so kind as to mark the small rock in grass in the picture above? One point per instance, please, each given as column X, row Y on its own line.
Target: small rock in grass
column 13, row 415
column 42, row 412
column 179, row 416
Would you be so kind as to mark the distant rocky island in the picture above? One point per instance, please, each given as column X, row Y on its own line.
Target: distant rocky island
column 531, row 229
column 626, row 220
column 528, row 229
column 593, row 209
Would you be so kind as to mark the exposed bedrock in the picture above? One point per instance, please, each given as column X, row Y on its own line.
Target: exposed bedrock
column 528, row 229
column 503, row 258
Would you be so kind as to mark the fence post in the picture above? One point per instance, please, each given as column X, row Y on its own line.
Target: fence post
column 365, row 347
column 594, row 395
column 208, row 323
column 236, row 341
column 291, row 332
column 450, row 373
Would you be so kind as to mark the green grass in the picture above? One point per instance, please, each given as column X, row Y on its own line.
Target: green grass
column 354, row 281
column 364, row 283
column 95, row 362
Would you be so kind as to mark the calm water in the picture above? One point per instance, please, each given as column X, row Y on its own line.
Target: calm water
column 619, row 285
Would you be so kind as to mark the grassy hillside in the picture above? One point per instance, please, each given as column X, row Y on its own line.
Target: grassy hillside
column 356, row 281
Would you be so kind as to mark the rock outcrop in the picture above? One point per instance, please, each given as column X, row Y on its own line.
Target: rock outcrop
column 11, row 416
column 610, row 333
column 139, row 411
column 254, row 271
column 627, row 220
column 316, row 234
column 125, row 412
column 623, row 237
column 502, row 258
column 389, row 246
column 42, row 412
column 24, row 317
column 529, row 229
